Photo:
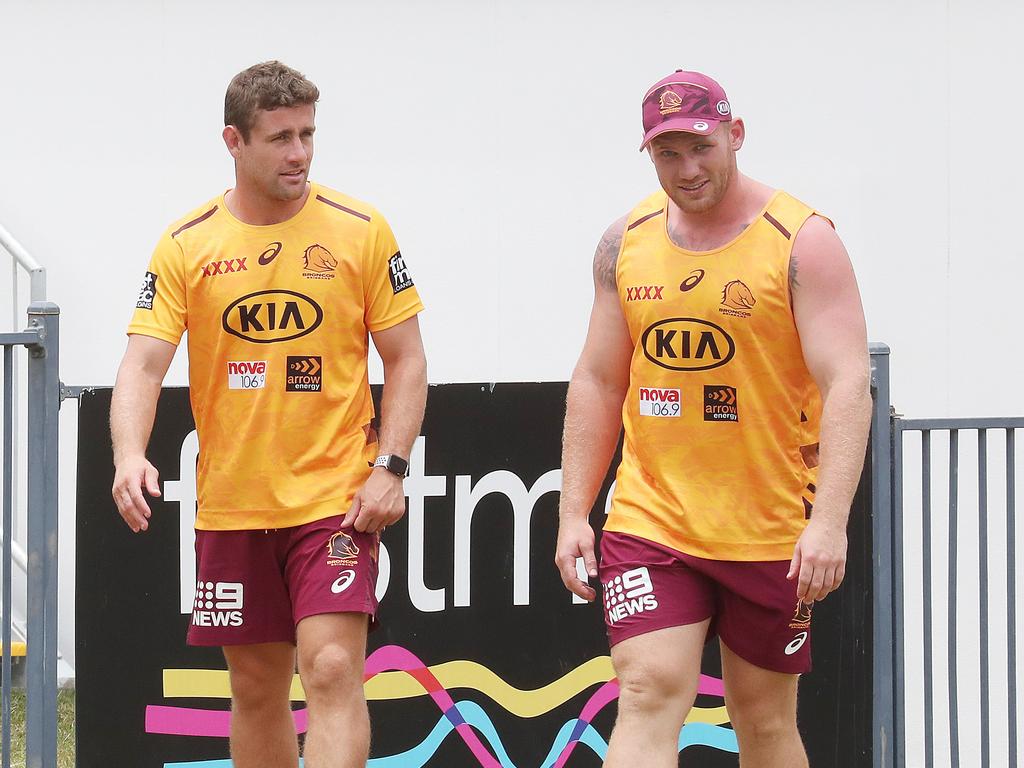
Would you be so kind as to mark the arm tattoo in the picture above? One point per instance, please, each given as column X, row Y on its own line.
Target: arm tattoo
column 606, row 256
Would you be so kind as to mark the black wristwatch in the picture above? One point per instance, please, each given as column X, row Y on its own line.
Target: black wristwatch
column 396, row 465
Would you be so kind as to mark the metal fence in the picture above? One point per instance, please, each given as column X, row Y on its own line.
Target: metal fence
column 41, row 339
column 906, row 528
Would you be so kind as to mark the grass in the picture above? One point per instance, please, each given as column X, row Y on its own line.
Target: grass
column 65, row 728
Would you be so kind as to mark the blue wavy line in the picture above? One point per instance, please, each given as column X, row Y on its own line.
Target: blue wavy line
column 692, row 734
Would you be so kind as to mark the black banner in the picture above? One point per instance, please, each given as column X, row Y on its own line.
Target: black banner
column 482, row 659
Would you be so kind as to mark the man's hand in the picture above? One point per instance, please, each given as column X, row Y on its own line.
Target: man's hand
column 378, row 504
column 576, row 539
column 819, row 561
column 131, row 476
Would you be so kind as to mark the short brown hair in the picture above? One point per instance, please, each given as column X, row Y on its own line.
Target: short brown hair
column 267, row 85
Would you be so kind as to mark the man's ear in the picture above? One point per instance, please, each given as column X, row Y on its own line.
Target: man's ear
column 737, row 133
column 232, row 140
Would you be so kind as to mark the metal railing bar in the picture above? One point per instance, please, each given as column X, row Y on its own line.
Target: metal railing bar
column 983, row 590
column 18, row 555
column 41, row 657
column 22, row 338
column 898, row 627
column 951, row 619
column 36, row 272
column 8, row 488
column 1006, row 422
column 926, row 545
column 1011, row 600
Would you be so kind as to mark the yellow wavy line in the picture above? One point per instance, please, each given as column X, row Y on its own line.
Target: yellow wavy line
column 208, row 683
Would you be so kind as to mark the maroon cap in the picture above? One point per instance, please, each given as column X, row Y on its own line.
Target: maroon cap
column 684, row 101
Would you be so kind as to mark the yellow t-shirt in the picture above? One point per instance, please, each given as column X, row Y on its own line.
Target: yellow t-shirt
column 721, row 409
column 278, row 319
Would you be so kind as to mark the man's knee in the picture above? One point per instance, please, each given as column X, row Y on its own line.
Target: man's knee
column 762, row 718
column 331, row 669
column 647, row 687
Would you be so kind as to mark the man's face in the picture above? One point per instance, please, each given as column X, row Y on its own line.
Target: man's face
column 275, row 161
column 695, row 171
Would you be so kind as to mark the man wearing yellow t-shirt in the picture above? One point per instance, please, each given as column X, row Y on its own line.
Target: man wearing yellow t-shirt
column 280, row 282
column 727, row 338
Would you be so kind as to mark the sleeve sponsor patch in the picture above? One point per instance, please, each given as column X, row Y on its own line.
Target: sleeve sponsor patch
column 399, row 274
column 148, row 292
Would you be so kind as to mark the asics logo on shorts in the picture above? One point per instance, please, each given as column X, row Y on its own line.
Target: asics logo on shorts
column 796, row 644
column 629, row 594
column 343, row 582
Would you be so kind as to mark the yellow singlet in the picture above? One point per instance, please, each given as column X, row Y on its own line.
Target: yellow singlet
column 721, row 410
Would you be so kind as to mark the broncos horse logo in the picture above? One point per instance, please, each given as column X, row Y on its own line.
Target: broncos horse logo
column 736, row 295
column 341, row 547
column 319, row 259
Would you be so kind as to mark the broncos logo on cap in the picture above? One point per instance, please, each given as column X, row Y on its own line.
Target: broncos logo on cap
column 737, row 296
column 342, row 547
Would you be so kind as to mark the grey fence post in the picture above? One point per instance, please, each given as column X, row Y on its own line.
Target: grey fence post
column 41, row 662
column 886, row 745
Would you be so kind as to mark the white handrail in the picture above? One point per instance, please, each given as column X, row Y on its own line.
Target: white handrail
column 37, row 273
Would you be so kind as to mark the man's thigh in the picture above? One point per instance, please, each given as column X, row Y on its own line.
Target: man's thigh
column 261, row 670
column 331, row 570
column 754, row 694
column 758, row 615
column 648, row 587
column 663, row 664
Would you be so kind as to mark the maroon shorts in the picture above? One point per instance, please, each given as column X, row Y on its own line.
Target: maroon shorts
column 753, row 607
column 256, row 586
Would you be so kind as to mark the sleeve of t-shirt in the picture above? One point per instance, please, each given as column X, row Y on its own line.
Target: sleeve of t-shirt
column 390, row 297
column 160, row 310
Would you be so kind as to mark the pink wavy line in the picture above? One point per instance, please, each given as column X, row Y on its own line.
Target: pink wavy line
column 181, row 721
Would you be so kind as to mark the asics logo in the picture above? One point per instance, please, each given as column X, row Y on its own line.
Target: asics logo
column 343, row 582
column 796, row 643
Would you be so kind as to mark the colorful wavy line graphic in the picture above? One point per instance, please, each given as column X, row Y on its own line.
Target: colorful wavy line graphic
column 419, row 756
column 208, row 683
column 393, row 672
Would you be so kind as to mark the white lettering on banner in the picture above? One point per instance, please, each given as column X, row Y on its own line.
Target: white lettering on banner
column 419, row 486
column 183, row 491
column 511, row 487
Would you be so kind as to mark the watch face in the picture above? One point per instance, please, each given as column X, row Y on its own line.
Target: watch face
column 398, row 465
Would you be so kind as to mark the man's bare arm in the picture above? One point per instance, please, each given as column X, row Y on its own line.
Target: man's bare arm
column 132, row 410
column 381, row 501
column 830, row 319
column 593, row 418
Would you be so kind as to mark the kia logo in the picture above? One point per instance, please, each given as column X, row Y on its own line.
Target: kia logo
column 266, row 317
column 687, row 344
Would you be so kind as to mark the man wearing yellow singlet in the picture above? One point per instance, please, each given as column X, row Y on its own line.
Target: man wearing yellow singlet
column 727, row 338
column 280, row 282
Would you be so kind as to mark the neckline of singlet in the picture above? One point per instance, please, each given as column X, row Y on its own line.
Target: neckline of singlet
column 746, row 230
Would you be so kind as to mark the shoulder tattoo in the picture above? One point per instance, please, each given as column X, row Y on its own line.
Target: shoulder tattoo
column 606, row 256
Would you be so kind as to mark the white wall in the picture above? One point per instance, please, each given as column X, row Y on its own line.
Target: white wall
column 500, row 139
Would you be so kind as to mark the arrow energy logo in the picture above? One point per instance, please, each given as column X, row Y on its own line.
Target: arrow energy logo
column 305, row 374
column 720, row 403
